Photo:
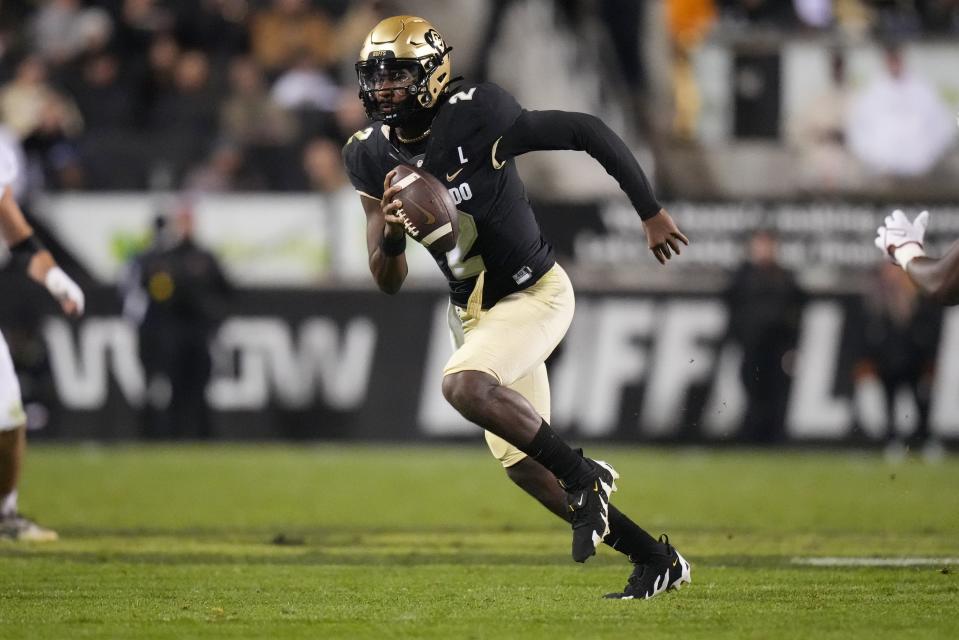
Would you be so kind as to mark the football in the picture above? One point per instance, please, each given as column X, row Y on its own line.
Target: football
column 429, row 212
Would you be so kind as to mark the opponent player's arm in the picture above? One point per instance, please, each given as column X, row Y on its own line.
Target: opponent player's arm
column 563, row 130
column 386, row 238
column 902, row 240
column 937, row 278
column 28, row 253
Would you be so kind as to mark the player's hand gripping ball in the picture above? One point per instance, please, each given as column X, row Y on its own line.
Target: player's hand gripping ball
column 428, row 212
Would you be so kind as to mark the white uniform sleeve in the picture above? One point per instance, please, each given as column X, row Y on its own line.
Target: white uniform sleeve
column 8, row 166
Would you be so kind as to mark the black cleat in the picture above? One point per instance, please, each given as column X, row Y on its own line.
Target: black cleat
column 659, row 574
column 589, row 508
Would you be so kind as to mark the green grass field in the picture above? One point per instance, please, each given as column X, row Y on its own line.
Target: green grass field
column 403, row 542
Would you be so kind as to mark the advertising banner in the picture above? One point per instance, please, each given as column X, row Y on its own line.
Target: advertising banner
column 362, row 365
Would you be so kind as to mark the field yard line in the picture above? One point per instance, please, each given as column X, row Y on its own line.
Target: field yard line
column 873, row 562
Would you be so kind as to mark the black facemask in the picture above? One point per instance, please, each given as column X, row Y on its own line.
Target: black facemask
column 389, row 89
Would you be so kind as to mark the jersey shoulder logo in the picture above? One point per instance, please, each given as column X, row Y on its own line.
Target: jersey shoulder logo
column 452, row 176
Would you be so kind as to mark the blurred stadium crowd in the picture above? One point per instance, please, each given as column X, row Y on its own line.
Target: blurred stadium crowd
column 214, row 95
column 225, row 95
column 827, row 98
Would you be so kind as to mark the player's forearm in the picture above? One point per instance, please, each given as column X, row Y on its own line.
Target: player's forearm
column 389, row 272
column 13, row 226
column 938, row 278
column 28, row 253
column 562, row 130
column 40, row 265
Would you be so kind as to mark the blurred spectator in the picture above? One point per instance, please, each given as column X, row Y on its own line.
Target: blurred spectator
column 350, row 117
column 53, row 29
column 774, row 13
column 24, row 99
column 47, row 123
column 814, row 13
column 352, row 27
column 306, row 86
column 825, row 164
column 901, row 338
column 63, row 29
column 184, row 117
column 95, row 32
column 689, row 21
column 854, row 17
column 249, row 116
column 281, row 33
column 225, row 170
column 185, row 290
column 191, row 103
column 218, row 27
column 765, row 303
column 154, row 74
column 104, row 102
column 899, row 125
column 51, row 148
column 137, row 23
column 323, row 165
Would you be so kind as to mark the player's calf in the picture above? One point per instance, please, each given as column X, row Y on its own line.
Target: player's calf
column 588, row 484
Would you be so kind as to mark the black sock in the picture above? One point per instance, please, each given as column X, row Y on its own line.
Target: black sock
column 629, row 538
column 550, row 451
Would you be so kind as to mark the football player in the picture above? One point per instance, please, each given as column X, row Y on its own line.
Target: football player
column 902, row 240
column 28, row 254
column 511, row 304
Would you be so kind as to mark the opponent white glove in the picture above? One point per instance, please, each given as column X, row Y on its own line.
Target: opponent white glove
column 901, row 239
column 64, row 289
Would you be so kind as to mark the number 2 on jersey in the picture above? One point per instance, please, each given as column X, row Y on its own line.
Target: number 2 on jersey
column 462, row 95
column 460, row 268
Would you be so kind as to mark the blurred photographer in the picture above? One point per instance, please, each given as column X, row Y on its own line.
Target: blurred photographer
column 177, row 301
column 765, row 303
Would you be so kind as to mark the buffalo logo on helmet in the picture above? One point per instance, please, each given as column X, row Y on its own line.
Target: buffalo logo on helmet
column 435, row 40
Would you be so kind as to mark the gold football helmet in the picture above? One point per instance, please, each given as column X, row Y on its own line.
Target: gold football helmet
column 407, row 57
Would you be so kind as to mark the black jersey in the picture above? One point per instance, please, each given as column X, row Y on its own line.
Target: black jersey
column 498, row 232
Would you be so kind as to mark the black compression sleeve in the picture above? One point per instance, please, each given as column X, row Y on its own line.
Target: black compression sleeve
column 559, row 130
column 22, row 252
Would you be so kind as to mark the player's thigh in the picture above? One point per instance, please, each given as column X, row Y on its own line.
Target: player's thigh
column 513, row 338
column 535, row 388
column 11, row 406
